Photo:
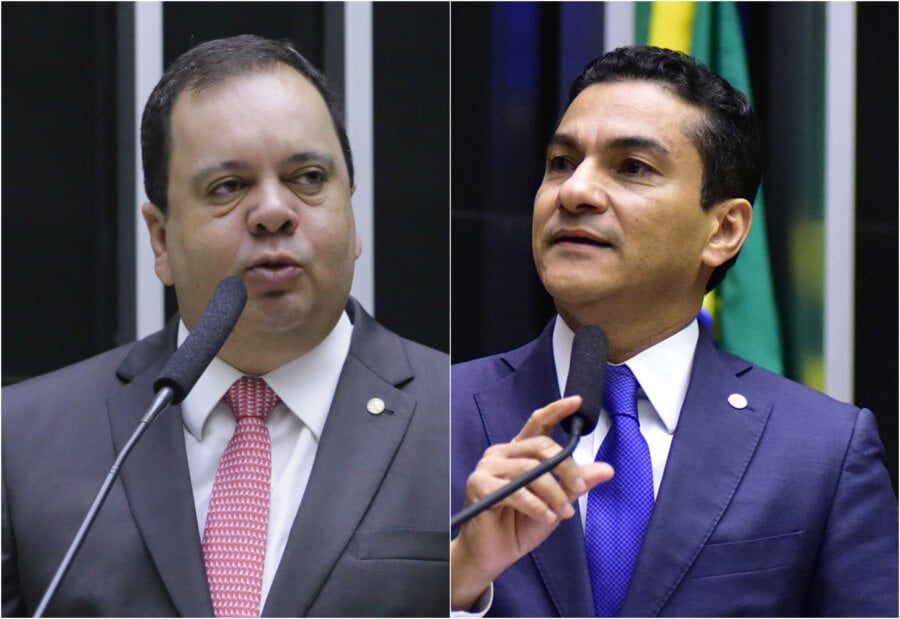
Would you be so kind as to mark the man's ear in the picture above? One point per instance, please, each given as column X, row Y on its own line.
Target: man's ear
column 734, row 217
column 156, row 226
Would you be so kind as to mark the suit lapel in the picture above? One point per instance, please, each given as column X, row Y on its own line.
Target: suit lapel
column 156, row 478
column 560, row 562
column 711, row 449
column 354, row 453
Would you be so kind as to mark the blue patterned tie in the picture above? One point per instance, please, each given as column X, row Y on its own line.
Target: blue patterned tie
column 618, row 511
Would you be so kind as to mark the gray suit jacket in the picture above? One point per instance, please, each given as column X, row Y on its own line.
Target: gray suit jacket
column 370, row 537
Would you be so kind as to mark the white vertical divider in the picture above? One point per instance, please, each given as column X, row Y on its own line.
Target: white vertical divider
column 358, row 85
column 148, row 61
column 618, row 25
column 840, row 203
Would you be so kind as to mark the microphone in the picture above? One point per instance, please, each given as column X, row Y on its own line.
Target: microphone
column 173, row 383
column 209, row 334
column 587, row 370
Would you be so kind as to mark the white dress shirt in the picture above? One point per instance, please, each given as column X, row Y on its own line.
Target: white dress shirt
column 306, row 387
column 663, row 372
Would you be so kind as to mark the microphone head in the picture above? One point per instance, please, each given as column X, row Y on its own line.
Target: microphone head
column 587, row 371
column 204, row 341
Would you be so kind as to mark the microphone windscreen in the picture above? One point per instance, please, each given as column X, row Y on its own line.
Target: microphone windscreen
column 587, row 371
column 204, row 341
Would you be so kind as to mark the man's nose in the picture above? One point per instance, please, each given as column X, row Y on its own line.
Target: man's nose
column 276, row 210
column 584, row 189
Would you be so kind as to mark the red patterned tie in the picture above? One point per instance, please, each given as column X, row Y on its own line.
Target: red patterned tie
column 234, row 542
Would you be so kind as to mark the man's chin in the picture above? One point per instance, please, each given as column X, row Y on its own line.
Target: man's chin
column 275, row 314
column 570, row 288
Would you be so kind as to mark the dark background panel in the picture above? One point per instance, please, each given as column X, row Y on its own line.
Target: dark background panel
column 59, row 184
column 877, row 277
column 412, row 169
column 187, row 24
column 502, row 71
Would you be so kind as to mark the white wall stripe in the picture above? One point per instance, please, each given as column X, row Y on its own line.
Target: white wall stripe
column 618, row 25
column 358, row 84
column 148, row 61
column 840, row 203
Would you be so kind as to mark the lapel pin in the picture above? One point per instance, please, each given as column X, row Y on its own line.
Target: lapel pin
column 737, row 401
column 375, row 406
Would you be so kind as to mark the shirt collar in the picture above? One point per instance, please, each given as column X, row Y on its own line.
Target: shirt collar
column 306, row 385
column 663, row 370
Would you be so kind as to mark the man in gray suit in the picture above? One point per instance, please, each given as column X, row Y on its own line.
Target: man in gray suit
column 249, row 173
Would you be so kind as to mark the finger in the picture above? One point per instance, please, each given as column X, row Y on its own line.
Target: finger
column 547, row 487
column 509, row 460
column 595, row 473
column 531, row 452
column 544, row 419
column 499, row 466
column 524, row 500
column 555, row 496
column 537, row 447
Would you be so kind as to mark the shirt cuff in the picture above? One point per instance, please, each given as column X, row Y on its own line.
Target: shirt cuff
column 480, row 608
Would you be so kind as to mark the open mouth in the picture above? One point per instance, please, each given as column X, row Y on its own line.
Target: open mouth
column 272, row 265
column 274, row 262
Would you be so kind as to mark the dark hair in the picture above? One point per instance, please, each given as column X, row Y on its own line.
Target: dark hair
column 728, row 137
column 204, row 66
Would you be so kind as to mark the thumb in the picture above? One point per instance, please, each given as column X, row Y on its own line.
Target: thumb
column 595, row 473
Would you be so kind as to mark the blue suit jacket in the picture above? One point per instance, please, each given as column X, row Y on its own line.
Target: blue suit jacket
column 782, row 508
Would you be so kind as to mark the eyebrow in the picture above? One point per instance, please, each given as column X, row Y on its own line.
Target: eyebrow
column 562, row 139
column 312, row 155
column 219, row 166
column 236, row 164
column 639, row 142
column 567, row 140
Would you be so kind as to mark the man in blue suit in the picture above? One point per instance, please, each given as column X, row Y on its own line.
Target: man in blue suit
column 768, row 498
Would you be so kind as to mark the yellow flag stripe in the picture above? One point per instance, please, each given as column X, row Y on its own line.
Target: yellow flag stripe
column 672, row 25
